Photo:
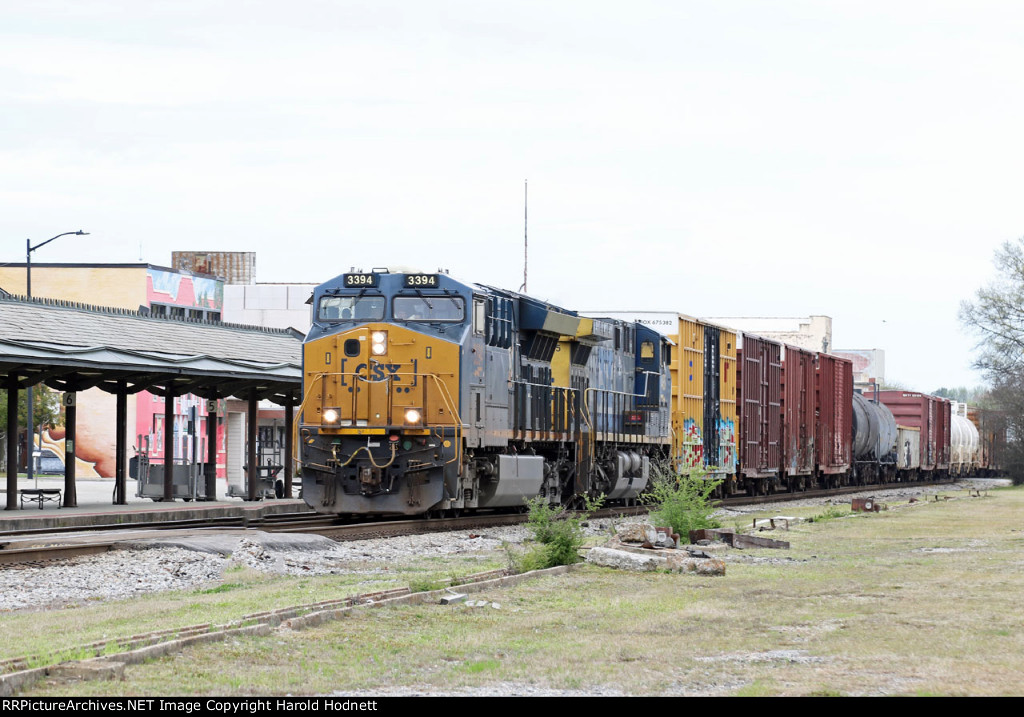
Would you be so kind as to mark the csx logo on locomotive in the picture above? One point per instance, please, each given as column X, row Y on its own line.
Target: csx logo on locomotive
column 376, row 372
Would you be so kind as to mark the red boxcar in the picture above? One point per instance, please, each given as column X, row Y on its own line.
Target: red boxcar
column 798, row 412
column 929, row 413
column 991, row 427
column 834, row 443
column 759, row 397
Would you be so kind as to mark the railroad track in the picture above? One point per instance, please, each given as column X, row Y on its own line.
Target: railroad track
column 280, row 519
column 818, row 493
column 59, row 544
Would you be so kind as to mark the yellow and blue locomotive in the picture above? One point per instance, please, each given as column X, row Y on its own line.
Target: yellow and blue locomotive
column 425, row 394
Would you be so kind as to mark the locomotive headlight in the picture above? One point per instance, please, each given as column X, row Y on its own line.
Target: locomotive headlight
column 331, row 415
column 379, row 343
column 413, row 416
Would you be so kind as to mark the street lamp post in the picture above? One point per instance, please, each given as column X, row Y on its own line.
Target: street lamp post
column 31, row 444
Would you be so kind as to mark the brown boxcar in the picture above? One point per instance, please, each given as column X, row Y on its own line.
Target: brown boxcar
column 759, row 398
column 943, row 431
column 798, row 413
column 929, row 413
column 834, row 389
column 991, row 427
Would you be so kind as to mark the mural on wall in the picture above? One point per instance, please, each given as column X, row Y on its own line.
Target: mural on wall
column 51, row 462
column 185, row 290
column 170, row 287
column 96, row 434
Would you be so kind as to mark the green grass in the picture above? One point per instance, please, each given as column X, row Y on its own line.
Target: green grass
column 830, row 513
column 51, row 632
column 759, row 688
column 918, row 600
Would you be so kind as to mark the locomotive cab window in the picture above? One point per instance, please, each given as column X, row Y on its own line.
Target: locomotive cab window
column 429, row 308
column 351, row 308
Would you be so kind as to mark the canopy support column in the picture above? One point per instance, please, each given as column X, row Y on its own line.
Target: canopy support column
column 168, row 444
column 121, row 446
column 12, row 442
column 211, row 450
column 70, row 427
column 250, row 426
column 289, row 446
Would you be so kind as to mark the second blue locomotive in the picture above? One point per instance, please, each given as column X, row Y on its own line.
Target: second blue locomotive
column 426, row 394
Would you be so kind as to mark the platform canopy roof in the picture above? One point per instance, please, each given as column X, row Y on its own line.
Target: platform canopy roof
column 72, row 347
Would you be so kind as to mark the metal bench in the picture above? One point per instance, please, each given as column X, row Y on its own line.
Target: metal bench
column 40, row 496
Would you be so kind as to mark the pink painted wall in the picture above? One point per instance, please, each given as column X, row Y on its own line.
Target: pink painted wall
column 166, row 287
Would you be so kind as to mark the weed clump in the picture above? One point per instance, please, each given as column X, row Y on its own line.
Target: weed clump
column 681, row 501
column 557, row 532
column 831, row 513
column 424, row 585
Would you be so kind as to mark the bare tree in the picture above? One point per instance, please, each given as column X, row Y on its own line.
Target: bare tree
column 997, row 316
column 997, row 313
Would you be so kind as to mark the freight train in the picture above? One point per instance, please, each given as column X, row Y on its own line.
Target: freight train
column 424, row 394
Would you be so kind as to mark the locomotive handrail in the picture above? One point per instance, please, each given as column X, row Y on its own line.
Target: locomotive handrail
column 586, row 407
column 297, row 424
column 450, row 405
column 591, row 448
column 567, row 391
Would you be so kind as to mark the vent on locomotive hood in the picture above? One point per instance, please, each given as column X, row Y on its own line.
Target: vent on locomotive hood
column 547, row 325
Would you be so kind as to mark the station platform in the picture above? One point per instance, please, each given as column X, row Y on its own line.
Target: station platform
column 95, row 507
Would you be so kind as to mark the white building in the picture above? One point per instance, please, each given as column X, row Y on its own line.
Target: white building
column 813, row 333
column 273, row 306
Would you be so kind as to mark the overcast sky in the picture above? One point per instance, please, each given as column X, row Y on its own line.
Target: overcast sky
column 856, row 159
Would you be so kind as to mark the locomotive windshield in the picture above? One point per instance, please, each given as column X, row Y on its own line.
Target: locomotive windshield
column 429, row 308
column 351, row 308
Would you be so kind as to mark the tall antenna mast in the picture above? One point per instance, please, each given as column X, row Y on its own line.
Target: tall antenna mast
column 526, row 197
